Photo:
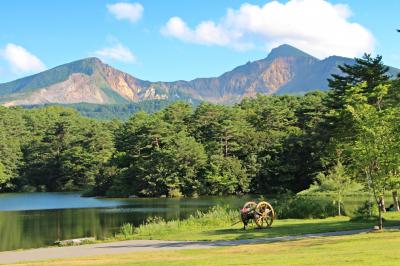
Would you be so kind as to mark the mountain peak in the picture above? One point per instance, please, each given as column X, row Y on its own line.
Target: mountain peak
column 92, row 60
column 286, row 50
column 85, row 63
column 87, row 66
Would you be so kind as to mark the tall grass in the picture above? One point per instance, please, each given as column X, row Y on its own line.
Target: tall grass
column 224, row 217
column 127, row 230
column 156, row 226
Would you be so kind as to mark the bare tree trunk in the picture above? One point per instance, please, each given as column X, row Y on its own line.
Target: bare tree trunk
column 395, row 201
column 381, row 204
column 340, row 213
column 378, row 199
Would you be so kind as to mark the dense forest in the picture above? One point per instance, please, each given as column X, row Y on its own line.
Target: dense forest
column 267, row 144
column 115, row 111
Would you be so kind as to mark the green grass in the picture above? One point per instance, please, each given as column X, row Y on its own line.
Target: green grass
column 217, row 225
column 380, row 248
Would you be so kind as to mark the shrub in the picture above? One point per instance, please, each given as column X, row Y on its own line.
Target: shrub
column 303, row 207
column 154, row 220
column 367, row 211
column 175, row 193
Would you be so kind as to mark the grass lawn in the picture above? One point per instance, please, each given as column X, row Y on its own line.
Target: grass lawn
column 379, row 248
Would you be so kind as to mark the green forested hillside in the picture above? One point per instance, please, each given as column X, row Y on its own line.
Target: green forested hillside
column 47, row 78
column 262, row 145
column 114, row 111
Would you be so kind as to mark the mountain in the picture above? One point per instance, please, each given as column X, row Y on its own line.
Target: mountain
column 285, row 70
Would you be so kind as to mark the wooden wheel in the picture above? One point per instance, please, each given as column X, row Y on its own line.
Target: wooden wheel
column 250, row 205
column 264, row 215
column 247, row 213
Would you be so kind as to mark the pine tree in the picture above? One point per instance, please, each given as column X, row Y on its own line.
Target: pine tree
column 367, row 69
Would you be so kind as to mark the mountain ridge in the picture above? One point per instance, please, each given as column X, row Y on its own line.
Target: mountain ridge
column 286, row 69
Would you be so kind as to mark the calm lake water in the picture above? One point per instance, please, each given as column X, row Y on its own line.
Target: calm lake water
column 29, row 220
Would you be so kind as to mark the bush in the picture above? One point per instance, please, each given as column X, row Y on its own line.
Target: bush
column 175, row 193
column 154, row 220
column 367, row 211
column 303, row 207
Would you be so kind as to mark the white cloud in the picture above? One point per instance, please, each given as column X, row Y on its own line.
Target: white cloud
column 118, row 52
column 205, row 33
column 315, row 26
column 132, row 12
column 20, row 60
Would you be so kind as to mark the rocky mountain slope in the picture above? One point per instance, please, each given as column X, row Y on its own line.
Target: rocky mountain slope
column 285, row 70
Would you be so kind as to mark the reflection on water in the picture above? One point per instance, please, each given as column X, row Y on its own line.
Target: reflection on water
column 39, row 201
column 29, row 220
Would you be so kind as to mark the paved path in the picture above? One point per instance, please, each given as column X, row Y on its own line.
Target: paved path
column 145, row 245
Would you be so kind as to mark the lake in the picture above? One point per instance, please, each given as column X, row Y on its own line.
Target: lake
column 30, row 220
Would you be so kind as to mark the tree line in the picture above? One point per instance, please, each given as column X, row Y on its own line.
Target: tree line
column 115, row 111
column 259, row 145
column 268, row 144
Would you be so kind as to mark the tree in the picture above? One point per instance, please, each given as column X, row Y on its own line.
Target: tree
column 139, row 144
column 336, row 181
column 225, row 175
column 47, row 157
column 88, row 155
column 219, row 128
column 178, row 115
column 367, row 74
column 394, row 185
column 374, row 150
column 367, row 69
column 158, row 157
column 276, row 137
column 3, row 177
column 64, row 152
column 358, row 108
column 306, row 148
column 12, row 134
column 187, row 158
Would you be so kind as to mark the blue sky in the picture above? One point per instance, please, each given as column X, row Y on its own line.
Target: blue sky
column 175, row 39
